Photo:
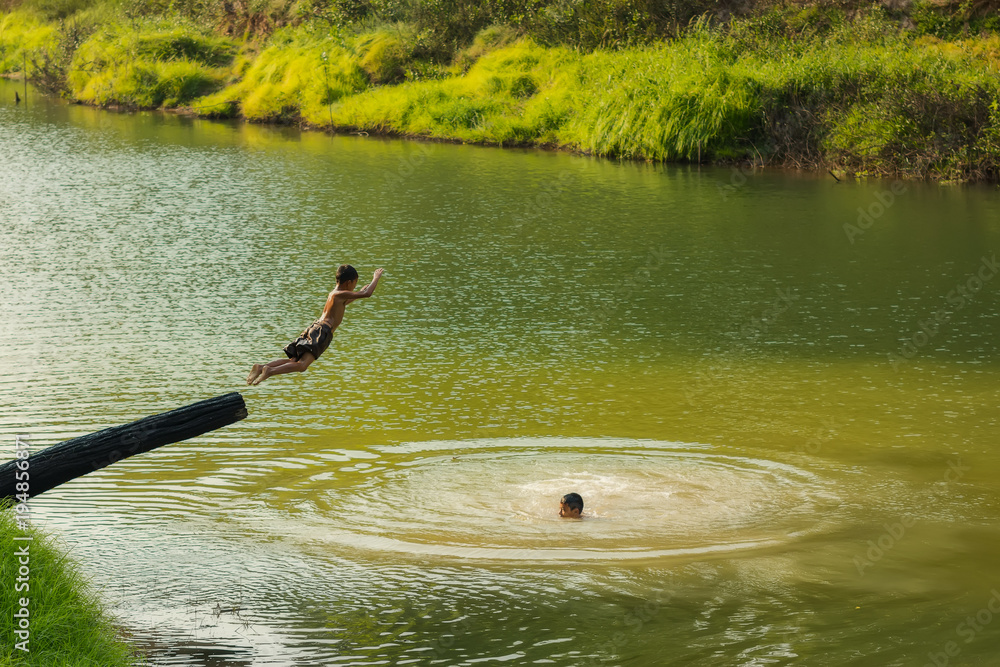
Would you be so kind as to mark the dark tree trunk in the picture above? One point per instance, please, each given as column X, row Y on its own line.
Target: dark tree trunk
column 68, row 460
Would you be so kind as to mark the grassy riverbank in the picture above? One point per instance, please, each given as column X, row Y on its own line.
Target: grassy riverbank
column 867, row 92
column 67, row 625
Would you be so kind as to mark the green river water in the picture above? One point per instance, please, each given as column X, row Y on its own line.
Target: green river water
column 785, row 430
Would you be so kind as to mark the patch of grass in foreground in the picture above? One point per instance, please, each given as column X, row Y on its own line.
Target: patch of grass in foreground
column 68, row 625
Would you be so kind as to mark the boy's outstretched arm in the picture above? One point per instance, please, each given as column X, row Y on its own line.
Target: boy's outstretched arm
column 368, row 289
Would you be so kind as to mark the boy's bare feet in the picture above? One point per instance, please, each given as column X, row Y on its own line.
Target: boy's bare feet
column 254, row 372
column 264, row 374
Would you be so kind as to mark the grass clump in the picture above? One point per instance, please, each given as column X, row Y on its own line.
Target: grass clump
column 303, row 73
column 513, row 95
column 149, row 68
column 665, row 103
column 383, row 56
column 488, row 39
column 68, row 625
column 660, row 102
column 874, row 104
column 24, row 34
column 298, row 75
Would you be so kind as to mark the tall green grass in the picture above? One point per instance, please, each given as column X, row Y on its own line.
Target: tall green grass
column 154, row 66
column 666, row 102
column 21, row 34
column 299, row 74
column 809, row 88
column 68, row 625
column 517, row 94
column 864, row 98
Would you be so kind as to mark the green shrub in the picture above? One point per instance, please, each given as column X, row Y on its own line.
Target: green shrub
column 934, row 20
column 299, row 75
column 51, row 10
column 384, row 56
column 488, row 39
column 24, row 34
column 148, row 68
column 814, row 20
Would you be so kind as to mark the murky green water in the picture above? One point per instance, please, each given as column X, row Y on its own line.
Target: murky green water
column 786, row 459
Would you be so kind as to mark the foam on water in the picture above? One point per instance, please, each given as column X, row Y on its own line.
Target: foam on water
column 498, row 499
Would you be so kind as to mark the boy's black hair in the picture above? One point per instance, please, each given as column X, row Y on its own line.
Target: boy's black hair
column 573, row 501
column 346, row 273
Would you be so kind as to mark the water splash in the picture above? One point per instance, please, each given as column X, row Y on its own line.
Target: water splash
column 498, row 499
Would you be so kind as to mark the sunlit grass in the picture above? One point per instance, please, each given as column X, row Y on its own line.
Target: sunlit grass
column 518, row 94
column 298, row 74
column 67, row 624
column 847, row 98
column 23, row 33
column 859, row 94
column 152, row 67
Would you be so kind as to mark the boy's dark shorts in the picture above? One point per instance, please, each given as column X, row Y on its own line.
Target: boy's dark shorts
column 315, row 339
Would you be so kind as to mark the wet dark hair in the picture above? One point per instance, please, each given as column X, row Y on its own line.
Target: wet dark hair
column 346, row 273
column 573, row 501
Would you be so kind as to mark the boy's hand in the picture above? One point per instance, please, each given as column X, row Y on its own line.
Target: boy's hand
column 369, row 289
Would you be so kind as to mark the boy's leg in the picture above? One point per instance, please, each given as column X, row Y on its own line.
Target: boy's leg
column 254, row 372
column 258, row 368
column 292, row 366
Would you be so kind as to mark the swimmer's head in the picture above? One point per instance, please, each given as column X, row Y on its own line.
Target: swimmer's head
column 571, row 506
column 346, row 273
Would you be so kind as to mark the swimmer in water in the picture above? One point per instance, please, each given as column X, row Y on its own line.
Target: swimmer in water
column 571, row 506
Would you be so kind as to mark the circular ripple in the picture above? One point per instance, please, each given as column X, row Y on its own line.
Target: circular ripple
column 499, row 499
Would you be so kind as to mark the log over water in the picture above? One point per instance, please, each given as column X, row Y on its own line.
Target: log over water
column 73, row 458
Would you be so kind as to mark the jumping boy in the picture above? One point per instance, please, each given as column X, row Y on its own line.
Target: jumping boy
column 316, row 338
